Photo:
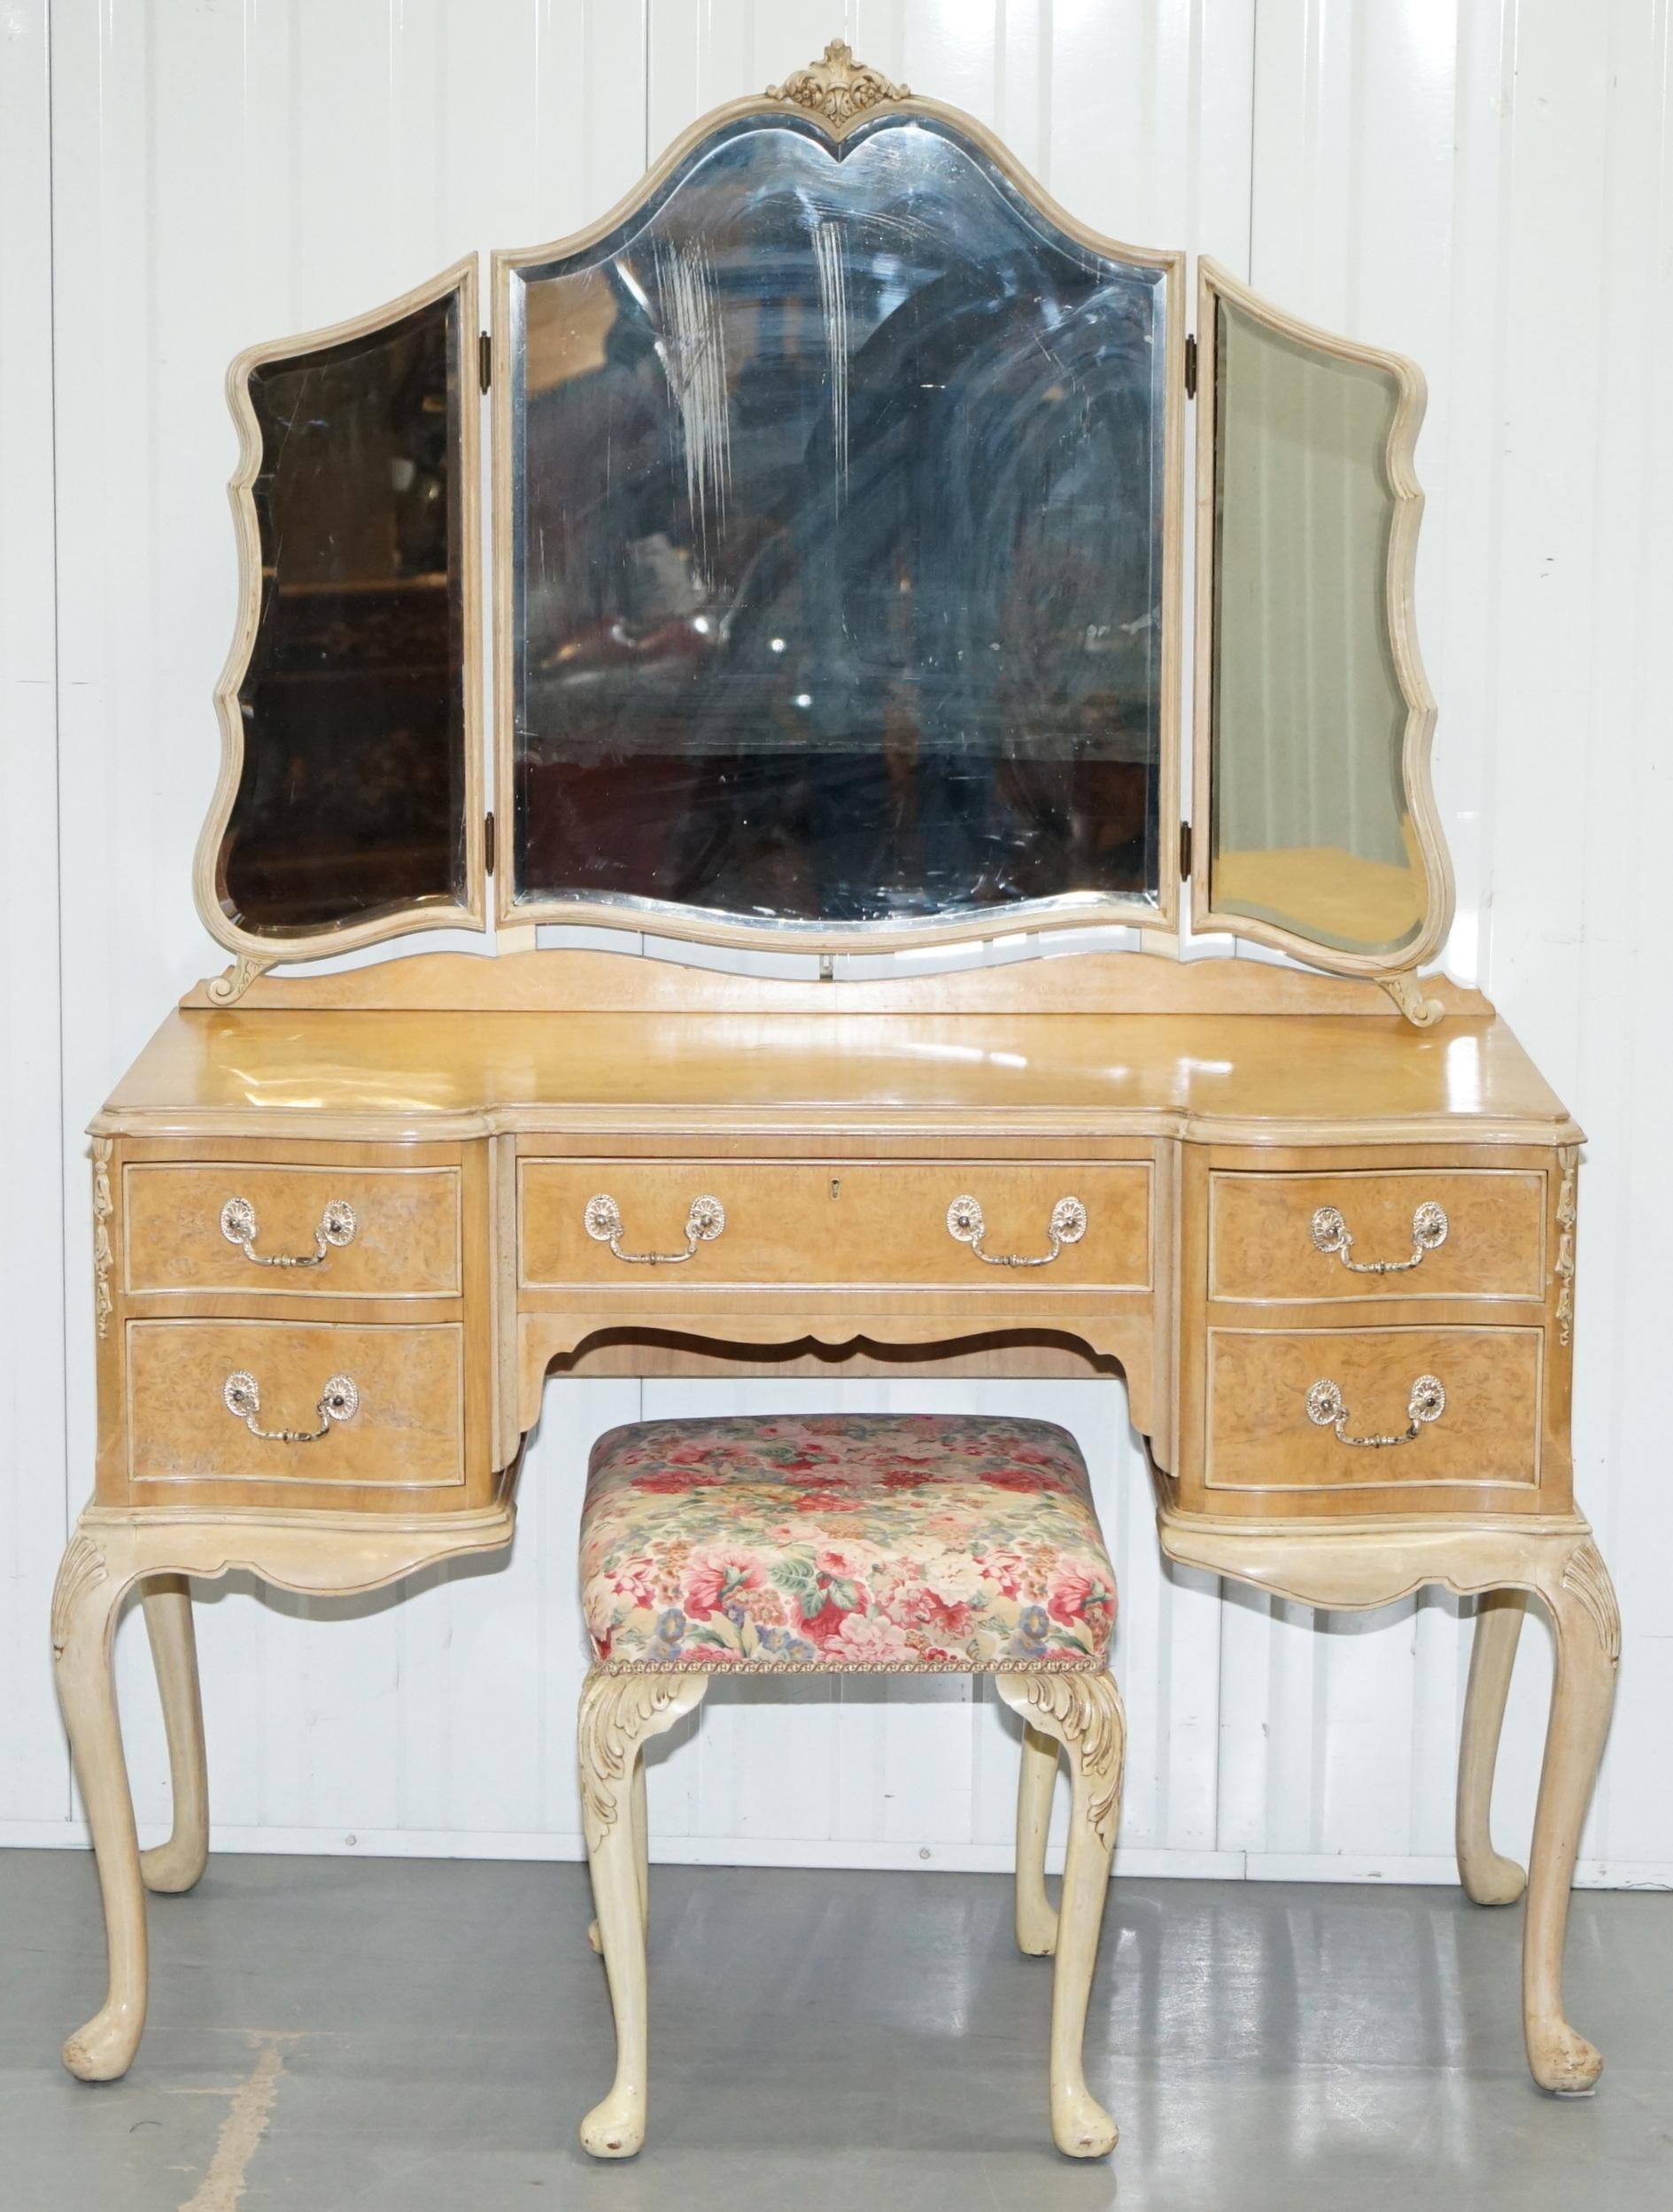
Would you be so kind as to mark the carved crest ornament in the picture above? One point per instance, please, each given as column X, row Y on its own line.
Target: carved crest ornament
column 837, row 87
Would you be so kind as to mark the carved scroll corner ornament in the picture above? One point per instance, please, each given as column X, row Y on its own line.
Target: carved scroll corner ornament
column 1585, row 1577
column 1404, row 990
column 617, row 1713
column 229, row 986
column 102, row 1257
column 1083, row 1711
column 1569, row 1160
column 81, row 1568
column 837, row 87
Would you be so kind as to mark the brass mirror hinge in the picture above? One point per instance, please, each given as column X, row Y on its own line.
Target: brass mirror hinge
column 490, row 844
column 1184, row 852
column 1190, row 368
column 484, row 360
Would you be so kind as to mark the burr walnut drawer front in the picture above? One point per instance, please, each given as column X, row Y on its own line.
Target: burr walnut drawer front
column 1339, row 1409
column 295, row 1402
column 966, row 1224
column 302, row 1232
column 1416, row 1232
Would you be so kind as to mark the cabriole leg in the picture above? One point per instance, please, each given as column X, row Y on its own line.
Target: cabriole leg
column 1036, row 1919
column 1084, row 1713
column 178, row 1864
column 619, row 1713
column 84, row 1608
column 642, row 1847
column 642, row 1843
column 1587, row 1625
column 1488, row 1877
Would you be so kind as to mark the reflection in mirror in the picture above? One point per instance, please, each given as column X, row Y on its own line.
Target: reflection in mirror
column 837, row 544
column 1311, row 822
column 351, row 803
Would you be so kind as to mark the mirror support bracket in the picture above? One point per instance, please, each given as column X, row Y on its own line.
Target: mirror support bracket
column 229, row 985
column 1403, row 989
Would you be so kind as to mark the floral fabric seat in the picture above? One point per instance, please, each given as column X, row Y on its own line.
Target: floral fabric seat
column 846, row 1542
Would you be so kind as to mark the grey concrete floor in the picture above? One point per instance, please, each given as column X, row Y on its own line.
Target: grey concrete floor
column 423, row 2036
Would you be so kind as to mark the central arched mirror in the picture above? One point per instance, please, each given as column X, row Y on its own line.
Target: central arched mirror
column 834, row 511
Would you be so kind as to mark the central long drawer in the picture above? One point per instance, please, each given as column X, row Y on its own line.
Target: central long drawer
column 969, row 1225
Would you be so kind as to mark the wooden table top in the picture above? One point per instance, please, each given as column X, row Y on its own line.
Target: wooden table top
column 402, row 1074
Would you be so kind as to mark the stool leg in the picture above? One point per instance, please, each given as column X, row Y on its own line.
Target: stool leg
column 1084, row 1713
column 1036, row 1918
column 178, row 1864
column 619, row 1713
column 642, row 1843
column 1488, row 1876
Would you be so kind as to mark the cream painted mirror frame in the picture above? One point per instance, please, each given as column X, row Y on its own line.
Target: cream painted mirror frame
column 838, row 94
column 1395, row 971
column 256, row 951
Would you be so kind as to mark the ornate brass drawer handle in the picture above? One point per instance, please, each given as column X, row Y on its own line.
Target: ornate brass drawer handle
column 339, row 1401
column 1331, row 1235
column 703, row 1223
column 238, row 1225
column 1427, row 1403
column 1067, row 1226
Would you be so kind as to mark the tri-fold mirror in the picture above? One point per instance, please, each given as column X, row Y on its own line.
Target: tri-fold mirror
column 837, row 526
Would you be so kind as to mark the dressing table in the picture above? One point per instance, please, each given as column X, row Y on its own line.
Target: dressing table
column 838, row 532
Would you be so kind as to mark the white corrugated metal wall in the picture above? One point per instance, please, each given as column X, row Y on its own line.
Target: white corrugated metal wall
column 1478, row 182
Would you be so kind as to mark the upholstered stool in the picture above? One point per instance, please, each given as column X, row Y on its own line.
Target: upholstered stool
column 850, row 1544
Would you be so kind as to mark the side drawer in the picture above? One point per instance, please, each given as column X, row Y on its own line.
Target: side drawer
column 407, row 1428
column 399, row 1238
column 848, row 1224
column 1277, row 1400
column 1417, row 1233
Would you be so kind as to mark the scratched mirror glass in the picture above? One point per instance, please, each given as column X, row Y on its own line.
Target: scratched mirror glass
column 351, row 799
column 837, row 490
